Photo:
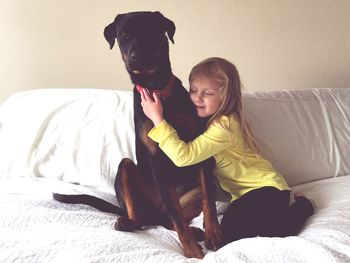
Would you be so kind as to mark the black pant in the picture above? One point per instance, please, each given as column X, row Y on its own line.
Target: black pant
column 264, row 212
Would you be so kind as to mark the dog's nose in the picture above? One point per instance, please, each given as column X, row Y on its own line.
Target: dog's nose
column 133, row 56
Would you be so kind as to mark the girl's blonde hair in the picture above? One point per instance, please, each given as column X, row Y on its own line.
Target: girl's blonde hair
column 226, row 75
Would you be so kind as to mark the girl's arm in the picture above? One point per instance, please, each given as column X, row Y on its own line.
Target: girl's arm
column 212, row 141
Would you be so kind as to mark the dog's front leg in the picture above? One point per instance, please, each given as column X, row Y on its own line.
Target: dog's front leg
column 170, row 198
column 130, row 191
column 213, row 234
column 185, row 233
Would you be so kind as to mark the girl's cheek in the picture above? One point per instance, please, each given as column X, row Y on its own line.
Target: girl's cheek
column 192, row 97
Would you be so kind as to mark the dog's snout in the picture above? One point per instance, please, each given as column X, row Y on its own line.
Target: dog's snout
column 133, row 56
column 139, row 60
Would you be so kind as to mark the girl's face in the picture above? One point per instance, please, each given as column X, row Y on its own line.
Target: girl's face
column 205, row 94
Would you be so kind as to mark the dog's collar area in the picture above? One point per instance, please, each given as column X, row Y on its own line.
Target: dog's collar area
column 163, row 93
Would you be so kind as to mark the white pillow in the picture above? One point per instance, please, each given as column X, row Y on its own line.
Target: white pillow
column 80, row 135
column 74, row 135
column 304, row 133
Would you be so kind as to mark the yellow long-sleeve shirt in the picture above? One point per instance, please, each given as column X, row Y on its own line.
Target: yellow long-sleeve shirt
column 238, row 169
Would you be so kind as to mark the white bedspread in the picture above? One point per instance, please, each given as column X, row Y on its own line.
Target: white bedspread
column 35, row 228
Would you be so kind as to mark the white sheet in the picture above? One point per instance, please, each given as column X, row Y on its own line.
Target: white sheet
column 35, row 228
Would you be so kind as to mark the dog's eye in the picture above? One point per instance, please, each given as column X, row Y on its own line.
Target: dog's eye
column 124, row 36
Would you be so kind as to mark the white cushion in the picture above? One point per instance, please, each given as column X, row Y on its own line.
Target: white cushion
column 304, row 133
column 75, row 135
column 80, row 135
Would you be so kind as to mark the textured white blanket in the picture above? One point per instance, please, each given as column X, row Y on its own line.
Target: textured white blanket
column 35, row 228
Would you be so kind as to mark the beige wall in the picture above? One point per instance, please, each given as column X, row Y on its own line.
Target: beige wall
column 276, row 44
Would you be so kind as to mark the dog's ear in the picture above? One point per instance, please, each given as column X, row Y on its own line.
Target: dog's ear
column 109, row 34
column 170, row 29
column 168, row 26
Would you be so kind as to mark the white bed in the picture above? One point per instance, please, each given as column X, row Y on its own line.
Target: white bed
column 71, row 140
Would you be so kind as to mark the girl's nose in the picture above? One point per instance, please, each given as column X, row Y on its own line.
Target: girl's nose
column 197, row 97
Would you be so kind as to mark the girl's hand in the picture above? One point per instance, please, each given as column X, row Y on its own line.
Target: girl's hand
column 152, row 107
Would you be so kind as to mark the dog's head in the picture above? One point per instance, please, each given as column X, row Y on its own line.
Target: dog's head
column 142, row 41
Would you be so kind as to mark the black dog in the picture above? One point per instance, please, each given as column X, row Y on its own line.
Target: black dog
column 151, row 190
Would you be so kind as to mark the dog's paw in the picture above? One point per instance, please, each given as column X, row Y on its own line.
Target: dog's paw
column 125, row 224
column 213, row 238
column 193, row 250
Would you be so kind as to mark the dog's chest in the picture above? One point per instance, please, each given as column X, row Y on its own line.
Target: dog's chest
column 144, row 128
column 184, row 125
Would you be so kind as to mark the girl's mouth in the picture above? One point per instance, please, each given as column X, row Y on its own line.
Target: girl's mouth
column 200, row 107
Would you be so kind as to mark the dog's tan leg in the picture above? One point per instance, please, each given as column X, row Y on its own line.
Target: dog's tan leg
column 191, row 203
column 133, row 196
column 191, row 248
column 213, row 234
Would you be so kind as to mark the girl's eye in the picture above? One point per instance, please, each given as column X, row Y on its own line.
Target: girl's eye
column 192, row 91
column 209, row 93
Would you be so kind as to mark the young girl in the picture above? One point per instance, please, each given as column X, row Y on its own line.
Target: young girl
column 259, row 194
